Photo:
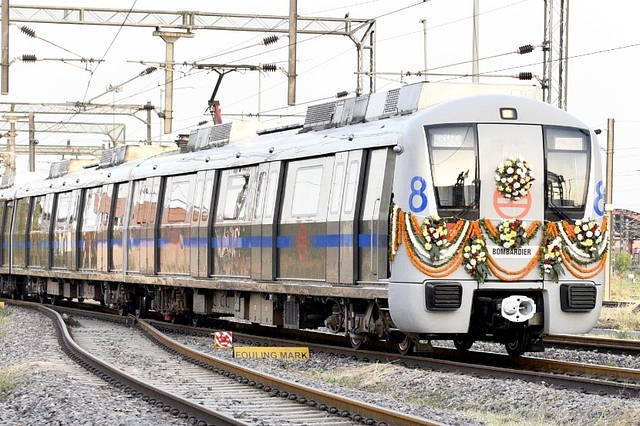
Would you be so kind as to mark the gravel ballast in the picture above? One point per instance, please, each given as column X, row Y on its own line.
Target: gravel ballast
column 51, row 389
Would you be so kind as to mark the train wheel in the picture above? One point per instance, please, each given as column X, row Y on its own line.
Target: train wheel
column 405, row 346
column 518, row 343
column 463, row 344
column 358, row 343
column 335, row 327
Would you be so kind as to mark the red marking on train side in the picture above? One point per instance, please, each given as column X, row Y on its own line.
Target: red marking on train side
column 303, row 241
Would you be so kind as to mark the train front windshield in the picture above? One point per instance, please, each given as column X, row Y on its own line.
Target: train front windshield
column 464, row 160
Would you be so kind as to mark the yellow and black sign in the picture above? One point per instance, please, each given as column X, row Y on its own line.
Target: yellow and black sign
column 250, row 352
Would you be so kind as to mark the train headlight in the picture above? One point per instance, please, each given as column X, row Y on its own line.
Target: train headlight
column 508, row 113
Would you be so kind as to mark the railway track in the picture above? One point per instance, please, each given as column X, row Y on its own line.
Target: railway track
column 591, row 379
column 205, row 390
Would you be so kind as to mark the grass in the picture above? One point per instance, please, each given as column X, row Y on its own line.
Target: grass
column 8, row 380
column 624, row 318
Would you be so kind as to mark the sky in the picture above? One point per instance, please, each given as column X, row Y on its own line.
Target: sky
column 604, row 62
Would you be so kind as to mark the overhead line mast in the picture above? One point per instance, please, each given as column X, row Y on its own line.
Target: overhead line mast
column 184, row 23
column 556, row 52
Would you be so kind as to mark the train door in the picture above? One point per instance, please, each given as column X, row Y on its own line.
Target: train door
column 149, row 256
column 105, row 200
column 200, row 217
column 38, row 237
column 498, row 144
column 373, row 233
column 342, row 229
column 64, row 231
column 232, row 228
column 302, row 233
column 6, row 208
column 175, row 225
column 263, row 223
column 136, row 226
column 19, row 236
column 116, row 230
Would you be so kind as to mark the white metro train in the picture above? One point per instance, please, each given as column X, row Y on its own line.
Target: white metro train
column 397, row 216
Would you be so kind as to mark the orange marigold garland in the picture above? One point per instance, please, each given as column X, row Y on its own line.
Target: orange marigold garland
column 585, row 242
column 463, row 244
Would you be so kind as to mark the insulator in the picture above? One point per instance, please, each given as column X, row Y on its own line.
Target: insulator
column 525, row 76
column 28, row 31
column 269, row 67
column 202, row 123
column 342, row 94
column 528, row 48
column 28, row 58
column 148, row 71
column 269, row 40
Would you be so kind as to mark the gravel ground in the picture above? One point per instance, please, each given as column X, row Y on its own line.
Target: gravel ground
column 52, row 390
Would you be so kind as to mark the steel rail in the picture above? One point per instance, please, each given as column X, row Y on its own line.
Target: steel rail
column 353, row 406
column 125, row 382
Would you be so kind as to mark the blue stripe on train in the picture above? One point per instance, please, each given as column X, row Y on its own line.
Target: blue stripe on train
column 282, row 242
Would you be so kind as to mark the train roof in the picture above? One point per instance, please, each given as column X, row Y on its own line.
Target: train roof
column 375, row 120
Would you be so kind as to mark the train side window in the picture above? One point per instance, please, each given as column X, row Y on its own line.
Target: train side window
column 139, row 207
column 262, row 183
column 353, row 173
column 90, row 214
column 452, row 155
column 306, row 191
column 567, row 174
column 272, row 186
column 197, row 205
column 178, row 196
column 6, row 232
column 208, row 195
column 336, row 191
column 235, row 197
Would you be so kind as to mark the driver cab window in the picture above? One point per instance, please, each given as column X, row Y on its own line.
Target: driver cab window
column 567, row 173
column 452, row 154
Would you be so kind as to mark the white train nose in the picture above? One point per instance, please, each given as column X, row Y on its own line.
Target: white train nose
column 518, row 308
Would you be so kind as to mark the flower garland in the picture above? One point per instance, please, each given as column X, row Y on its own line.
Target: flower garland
column 434, row 230
column 584, row 241
column 475, row 259
column 551, row 259
column 514, row 178
column 464, row 245
column 588, row 237
column 511, row 233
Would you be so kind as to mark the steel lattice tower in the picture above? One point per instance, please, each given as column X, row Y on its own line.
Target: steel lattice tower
column 556, row 52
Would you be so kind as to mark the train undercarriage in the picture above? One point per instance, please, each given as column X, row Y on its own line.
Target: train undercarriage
column 510, row 320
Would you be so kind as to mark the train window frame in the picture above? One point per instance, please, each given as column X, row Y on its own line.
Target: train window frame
column 307, row 190
column 272, row 192
column 469, row 209
column 569, row 208
column 177, row 192
column 351, row 186
column 7, row 215
column 233, row 203
column 336, row 187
